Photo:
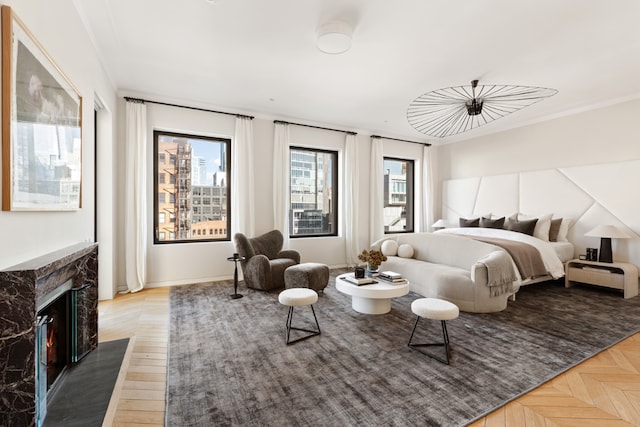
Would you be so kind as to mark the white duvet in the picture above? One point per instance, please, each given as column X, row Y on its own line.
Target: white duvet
column 553, row 264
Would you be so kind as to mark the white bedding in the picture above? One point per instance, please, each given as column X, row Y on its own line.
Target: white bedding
column 564, row 250
column 550, row 258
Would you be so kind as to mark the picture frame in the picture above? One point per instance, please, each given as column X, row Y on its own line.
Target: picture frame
column 41, row 126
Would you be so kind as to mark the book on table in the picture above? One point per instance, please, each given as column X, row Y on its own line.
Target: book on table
column 391, row 276
column 351, row 278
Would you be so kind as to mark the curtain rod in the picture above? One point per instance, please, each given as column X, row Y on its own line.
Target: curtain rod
column 314, row 127
column 127, row 98
column 401, row 140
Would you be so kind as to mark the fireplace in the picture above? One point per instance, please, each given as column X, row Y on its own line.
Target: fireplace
column 51, row 322
column 61, row 338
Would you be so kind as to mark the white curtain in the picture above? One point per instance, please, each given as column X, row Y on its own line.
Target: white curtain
column 350, row 199
column 428, row 205
column 281, row 180
column 242, row 184
column 135, row 195
column 376, row 191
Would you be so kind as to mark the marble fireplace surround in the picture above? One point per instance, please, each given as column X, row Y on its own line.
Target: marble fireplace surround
column 20, row 288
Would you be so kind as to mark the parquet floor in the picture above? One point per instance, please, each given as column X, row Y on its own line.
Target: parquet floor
column 143, row 316
column 602, row 391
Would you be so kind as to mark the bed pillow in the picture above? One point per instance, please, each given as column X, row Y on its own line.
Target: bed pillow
column 564, row 229
column 554, row 229
column 389, row 248
column 469, row 222
column 405, row 251
column 525, row 226
column 491, row 222
column 542, row 226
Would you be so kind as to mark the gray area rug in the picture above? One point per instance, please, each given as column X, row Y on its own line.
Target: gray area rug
column 229, row 365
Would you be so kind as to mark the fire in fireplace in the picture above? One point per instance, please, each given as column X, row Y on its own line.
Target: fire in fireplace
column 61, row 338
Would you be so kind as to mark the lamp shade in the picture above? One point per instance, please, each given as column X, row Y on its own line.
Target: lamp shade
column 441, row 223
column 609, row 231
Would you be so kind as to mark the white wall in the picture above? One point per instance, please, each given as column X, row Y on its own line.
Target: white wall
column 583, row 167
column 170, row 264
column 25, row 235
column 598, row 136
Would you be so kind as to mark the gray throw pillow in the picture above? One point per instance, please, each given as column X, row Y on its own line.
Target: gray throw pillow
column 469, row 222
column 491, row 223
column 554, row 229
column 525, row 226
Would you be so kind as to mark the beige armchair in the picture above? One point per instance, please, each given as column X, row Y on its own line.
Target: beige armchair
column 265, row 261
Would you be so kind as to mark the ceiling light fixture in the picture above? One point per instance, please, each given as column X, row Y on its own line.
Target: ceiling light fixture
column 452, row 110
column 334, row 37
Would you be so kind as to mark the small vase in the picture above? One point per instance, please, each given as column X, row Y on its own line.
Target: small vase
column 371, row 268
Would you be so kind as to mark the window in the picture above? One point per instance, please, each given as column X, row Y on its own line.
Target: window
column 197, row 165
column 314, row 192
column 398, row 195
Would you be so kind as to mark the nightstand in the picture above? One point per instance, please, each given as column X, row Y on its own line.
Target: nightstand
column 617, row 275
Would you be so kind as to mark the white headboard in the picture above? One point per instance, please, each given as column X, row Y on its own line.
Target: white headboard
column 591, row 195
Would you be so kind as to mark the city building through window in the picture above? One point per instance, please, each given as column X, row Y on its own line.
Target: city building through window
column 313, row 192
column 198, row 171
column 398, row 195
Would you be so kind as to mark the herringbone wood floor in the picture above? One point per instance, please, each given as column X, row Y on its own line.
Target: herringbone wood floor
column 602, row 391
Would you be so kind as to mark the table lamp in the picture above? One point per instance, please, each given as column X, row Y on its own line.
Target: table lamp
column 606, row 233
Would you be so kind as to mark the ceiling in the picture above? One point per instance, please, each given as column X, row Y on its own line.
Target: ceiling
column 259, row 56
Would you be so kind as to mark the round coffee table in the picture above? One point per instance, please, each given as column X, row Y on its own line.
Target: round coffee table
column 374, row 298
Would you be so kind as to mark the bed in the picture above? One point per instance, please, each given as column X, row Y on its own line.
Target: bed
column 552, row 254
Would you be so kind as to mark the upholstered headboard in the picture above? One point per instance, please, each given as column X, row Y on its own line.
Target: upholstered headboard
column 602, row 194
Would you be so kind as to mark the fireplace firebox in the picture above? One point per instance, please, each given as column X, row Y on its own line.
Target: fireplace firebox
column 49, row 322
column 61, row 338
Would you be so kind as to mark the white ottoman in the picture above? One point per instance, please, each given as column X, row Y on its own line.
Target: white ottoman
column 299, row 297
column 435, row 309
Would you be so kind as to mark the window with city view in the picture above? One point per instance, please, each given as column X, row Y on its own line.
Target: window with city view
column 191, row 188
column 398, row 195
column 314, row 193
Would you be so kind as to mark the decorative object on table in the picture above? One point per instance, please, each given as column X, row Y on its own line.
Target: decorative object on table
column 373, row 258
column 235, row 258
column 606, row 233
column 42, row 126
column 358, row 273
column 452, row 110
column 592, row 254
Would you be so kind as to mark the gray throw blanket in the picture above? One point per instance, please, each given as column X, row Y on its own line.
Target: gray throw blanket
column 500, row 272
column 526, row 257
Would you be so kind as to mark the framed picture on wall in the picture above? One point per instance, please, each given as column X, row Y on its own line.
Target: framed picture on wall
column 41, row 126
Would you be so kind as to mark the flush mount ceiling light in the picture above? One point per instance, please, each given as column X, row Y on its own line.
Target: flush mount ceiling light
column 334, row 37
column 452, row 110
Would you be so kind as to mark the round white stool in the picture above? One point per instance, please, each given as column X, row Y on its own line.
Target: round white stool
column 299, row 297
column 435, row 309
